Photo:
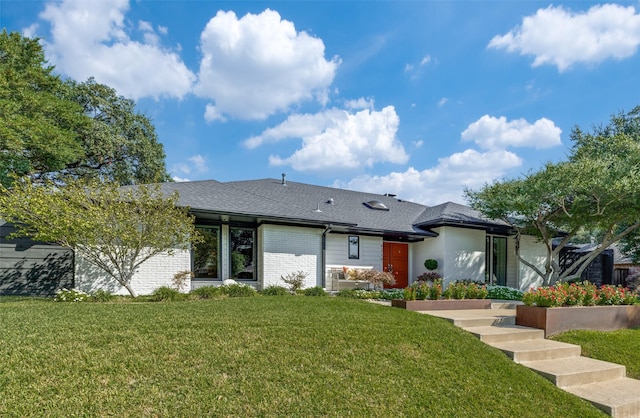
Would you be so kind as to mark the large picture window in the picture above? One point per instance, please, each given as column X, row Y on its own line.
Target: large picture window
column 205, row 255
column 242, row 250
column 496, row 261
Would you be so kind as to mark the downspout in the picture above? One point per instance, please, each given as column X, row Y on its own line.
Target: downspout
column 323, row 260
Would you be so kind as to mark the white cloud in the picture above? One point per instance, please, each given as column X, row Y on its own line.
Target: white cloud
column 90, row 38
column 337, row 140
column 196, row 164
column 257, row 65
column 443, row 101
column 560, row 37
column 199, row 163
column 211, row 113
column 425, row 60
column 497, row 133
column 444, row 182
column 360, row 103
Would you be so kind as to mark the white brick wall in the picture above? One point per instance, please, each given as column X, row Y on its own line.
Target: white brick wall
column 287, row 249
column 156, row 272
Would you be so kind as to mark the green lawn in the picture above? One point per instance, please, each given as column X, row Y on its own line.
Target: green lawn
column 622, row 347
column 261, row 356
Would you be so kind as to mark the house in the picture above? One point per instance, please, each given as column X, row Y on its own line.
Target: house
column 256, row 231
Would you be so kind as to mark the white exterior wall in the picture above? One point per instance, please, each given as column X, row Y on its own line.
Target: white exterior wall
column 156, row 272
column 337, row 254
column 420, row 251
column 464, row 254
column 534, row 252
column 286, row 249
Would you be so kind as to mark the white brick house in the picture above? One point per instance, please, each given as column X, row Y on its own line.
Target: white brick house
column 257, row 231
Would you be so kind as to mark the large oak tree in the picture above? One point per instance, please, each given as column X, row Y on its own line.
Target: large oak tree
column 52, row 128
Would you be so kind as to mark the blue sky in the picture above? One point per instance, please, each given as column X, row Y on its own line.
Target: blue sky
column 415, row 98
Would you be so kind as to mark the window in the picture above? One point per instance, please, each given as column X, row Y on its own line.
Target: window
column 241, row 243
column 205, row 255
column 495, row 271
column 354, row 247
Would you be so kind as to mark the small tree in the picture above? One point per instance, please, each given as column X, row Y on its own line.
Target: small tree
column 115, row 229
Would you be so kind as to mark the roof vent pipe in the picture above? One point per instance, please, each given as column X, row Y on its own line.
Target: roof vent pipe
column 330, row 201
column 284, row 179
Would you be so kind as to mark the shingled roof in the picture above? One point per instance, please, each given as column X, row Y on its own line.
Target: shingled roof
column 274, row 199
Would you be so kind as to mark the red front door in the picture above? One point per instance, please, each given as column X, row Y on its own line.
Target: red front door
column 395, row 259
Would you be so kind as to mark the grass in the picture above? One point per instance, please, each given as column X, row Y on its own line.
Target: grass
column 261, row 356
column 621, row 347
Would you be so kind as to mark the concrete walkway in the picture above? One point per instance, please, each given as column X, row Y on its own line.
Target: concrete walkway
column 603, row 384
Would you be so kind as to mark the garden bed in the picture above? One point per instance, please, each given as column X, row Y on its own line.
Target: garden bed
column 560, row 319
column 443, row 304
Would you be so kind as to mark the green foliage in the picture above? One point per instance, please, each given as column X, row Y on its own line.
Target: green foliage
column 315, row 291
column 103, row 296
column 422, row 290
column 274, row 290
column 70, row 295
column 503, row 293
column 295, row 280
column 51, row 128
column 115, row 229
column 208, row 292
column 239, row 290
column 430, row 264
column 38, row 122
column 167, row 294
column 466, row 289
column 119, row 144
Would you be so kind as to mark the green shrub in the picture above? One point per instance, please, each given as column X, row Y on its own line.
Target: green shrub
column 504, row 293
column 351, row 293
column 208, row 292
column 70, row 295
column 430, row 264
column 275, row 291
column 102, row 296
column 466, row 289
column 167, row 294
column 315, row 291
column 295, row 280
column 389, row 294
column 239, row 290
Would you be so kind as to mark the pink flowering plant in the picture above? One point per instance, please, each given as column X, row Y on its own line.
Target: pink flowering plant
column 579, row 294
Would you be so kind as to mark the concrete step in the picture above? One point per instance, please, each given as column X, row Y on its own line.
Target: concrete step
column 574, row 371
column 505, row 333
column 505, row 305
column 467, row 318
column 619, row 398
column 536, row 350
